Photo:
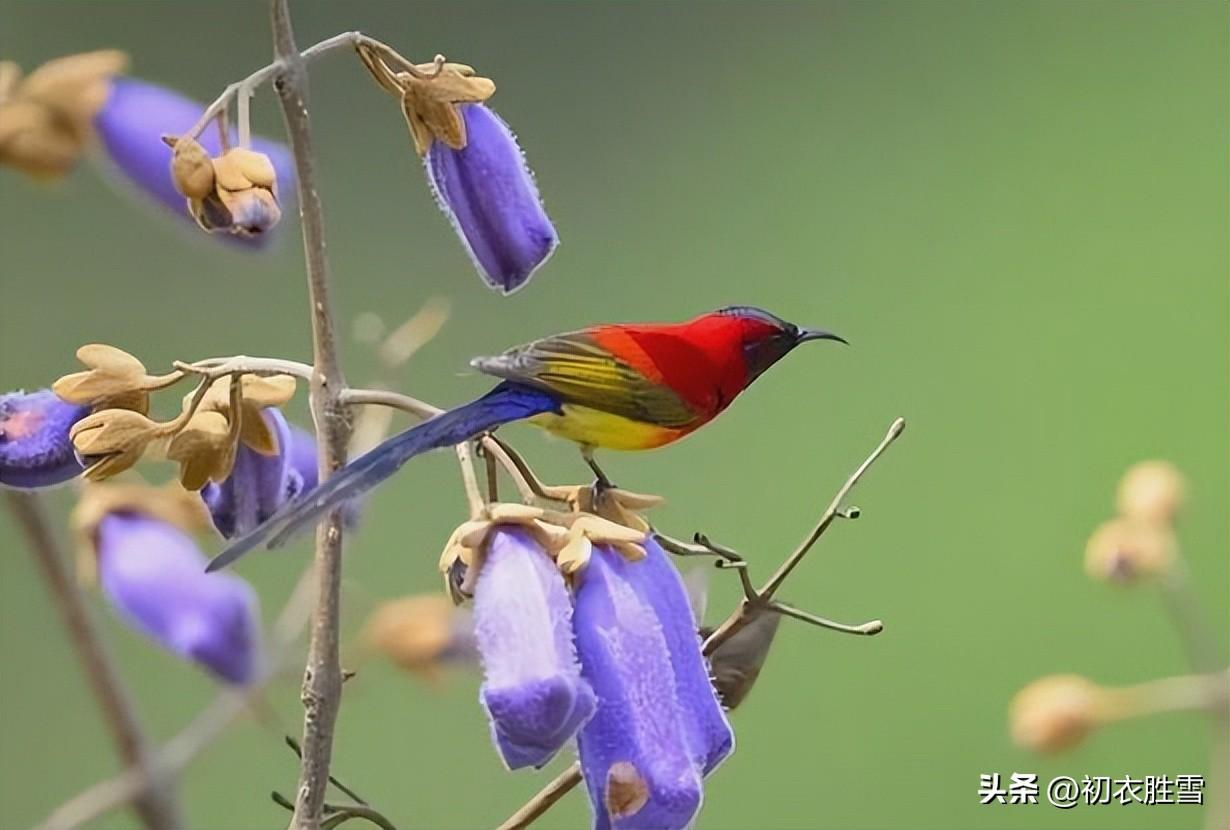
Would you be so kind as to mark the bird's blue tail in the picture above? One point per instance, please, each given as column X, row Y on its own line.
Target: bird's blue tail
column 503, row 404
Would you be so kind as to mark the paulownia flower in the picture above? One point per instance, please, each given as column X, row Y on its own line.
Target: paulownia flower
column 639, row 767
column 533, row 691
column 487, row 191
column 476, row 169
column 35, row 447
column 153, row 574
column 258, row 483
column 52, row 116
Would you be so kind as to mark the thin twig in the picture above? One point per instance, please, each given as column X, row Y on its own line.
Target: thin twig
column 322, row 676
column 544, row 800
column 157, row 807
column 1203, row 655
column 742, row 614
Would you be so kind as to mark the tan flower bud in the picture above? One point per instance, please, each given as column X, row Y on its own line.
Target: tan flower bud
column 114, row 379
column 1151, row 491
column 1124, row 550
column 205, row 449
column 117, row 437
column 192, row 169
column 417, row 633
column 1054, row 713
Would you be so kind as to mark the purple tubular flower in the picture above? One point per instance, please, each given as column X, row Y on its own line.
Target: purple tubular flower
column 154, row 576
column 635, row 757
column 35, row 450
column 533, row 691
column 131, row 124
column 706, row 728
column 487, row 191
column 260, row 484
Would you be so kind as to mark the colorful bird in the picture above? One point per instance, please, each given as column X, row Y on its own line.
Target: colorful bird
column 624, row 387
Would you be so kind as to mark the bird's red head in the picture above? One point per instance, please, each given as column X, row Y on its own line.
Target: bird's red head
column 764, row 338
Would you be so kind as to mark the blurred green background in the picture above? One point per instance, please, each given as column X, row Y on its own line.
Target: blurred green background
column 1017, row 212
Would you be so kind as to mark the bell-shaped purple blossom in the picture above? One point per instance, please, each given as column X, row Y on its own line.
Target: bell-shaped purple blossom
column 130, row 126
column 259, row 484
column 154, row 575
column 533, row 691
column 35, row 450
column 658, row 583
column 636, row 758
column 487, row 191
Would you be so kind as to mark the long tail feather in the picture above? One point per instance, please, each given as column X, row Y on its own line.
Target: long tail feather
column 503, row 404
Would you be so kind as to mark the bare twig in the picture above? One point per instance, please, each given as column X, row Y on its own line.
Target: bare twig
column 322, row 676
column 157, row 806
column 754, row 602
column 545, row 799
column 742, row 614
column 1203, row 655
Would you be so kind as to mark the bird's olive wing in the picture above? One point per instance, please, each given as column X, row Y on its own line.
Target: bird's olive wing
column 581, row 372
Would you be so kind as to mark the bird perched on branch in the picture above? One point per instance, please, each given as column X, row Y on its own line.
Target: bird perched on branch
column 624, row 387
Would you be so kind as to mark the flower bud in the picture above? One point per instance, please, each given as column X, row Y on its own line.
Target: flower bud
column 1151, row 491
column 1124, row 550
column 422, row 634
column 1054, row 713
column 35, row 447
column 487, row 191
column 533, row 691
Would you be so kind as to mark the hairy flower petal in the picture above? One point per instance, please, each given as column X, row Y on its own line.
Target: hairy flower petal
column 35, row 448
column 533, row 691
column 635, row 756
column 487, row 191
column 154, row 576
column 657, row 583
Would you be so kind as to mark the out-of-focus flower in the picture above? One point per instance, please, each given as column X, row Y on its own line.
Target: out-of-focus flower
column 477, row 172
column 1055, row 713
column 423, row 634
column 638, row 764
column 1124, row 550
column 487, row 191
column 153, row 574
column 50, row 118
column 736, row 663
column 659, row 585
column 35, row 447
column 45, row 118
column 234, row 193
column 1151, row 491
column 258, row 483
column 533, row 691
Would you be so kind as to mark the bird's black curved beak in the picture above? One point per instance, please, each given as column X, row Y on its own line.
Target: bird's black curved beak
column 817, row 334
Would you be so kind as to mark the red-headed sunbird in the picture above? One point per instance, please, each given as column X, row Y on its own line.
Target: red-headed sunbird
column 624, row 387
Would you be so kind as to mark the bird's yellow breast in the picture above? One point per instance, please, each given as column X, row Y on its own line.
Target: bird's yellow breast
column 604, row 430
